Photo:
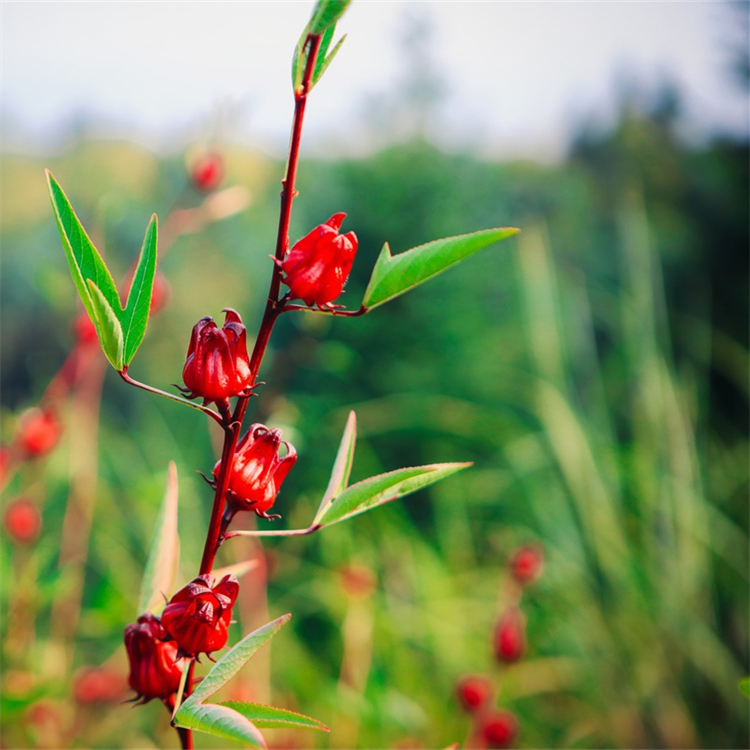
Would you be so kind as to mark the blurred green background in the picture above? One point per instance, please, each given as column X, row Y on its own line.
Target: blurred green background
column 594, row 369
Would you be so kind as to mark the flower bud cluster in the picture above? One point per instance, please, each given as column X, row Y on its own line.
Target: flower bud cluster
column 492, row 727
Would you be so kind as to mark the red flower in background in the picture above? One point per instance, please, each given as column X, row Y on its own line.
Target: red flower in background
column 257, row 471
column 317, row 267
column 473, row 692
column 38, row 433
column 208, row 172
column 22, row 521
column 510, row 636
column 499, row 729
column 526, row 564
column 155, row 671
column 217, row 366
column 198, row 615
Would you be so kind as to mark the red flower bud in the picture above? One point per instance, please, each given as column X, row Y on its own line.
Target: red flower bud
column 526, row 564
column 257, row 471
column 22, row 521
column 98, row 685
column 473, row 692
column 208, row 172
column 198, row 615
column 155, row 669
column 39, row 431
column 499, row 729
column 317, row 267
column 217, row 365
column 510, row 636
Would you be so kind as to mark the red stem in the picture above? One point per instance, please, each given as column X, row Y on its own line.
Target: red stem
column 271, row 312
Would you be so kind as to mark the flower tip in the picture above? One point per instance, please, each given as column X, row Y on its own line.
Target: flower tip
column 336, row 220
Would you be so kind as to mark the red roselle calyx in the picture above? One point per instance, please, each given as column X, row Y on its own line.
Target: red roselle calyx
column 526, row 564
column 510, row 636
column 38, row 432
column 22, row 521
column 217, row 365
column 499, row 729
column 155, row 668
column 317, row 267
column 257, row 471
column 208, row 172
column 198, row 615
column 473, row 692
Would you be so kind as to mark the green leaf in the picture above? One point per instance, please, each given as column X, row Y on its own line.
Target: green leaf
column 745, row 687
column 395, row 274
column 326, row 14
column 322, row 60
column 342, row 466
column 83, row 258
column 219, row 721
column 231, row 663
column 135, row 316
column 270, row 717
column 384, row 488
column 108, row 327
column 322, row 63
column 164, row 556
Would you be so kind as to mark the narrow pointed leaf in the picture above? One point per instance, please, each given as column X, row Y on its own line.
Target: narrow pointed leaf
column 107, row 325
column 384, row 488
column 231, row 663
column 163, row 558
column 83, row 258
column 270, row 717
column 135, row 316
column 342, row 466
column 395, row 274
column 220, row 721
column 326, row 14
column 745, row 687
column 323, row 62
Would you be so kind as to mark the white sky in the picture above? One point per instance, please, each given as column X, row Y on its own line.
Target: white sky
column 517, row 75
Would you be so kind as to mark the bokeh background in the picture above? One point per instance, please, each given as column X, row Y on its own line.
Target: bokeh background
column 594, row 368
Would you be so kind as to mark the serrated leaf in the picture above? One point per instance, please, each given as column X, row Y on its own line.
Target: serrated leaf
column 342, row 466
column 220, row 721
column 745, row 687
column 326, row 14
column 164, row 555
column 108, row 327
column 231, row 663
column 385, row 488
column 83, row 258
column 135, row 315
column 395, row 274
column 271, row 717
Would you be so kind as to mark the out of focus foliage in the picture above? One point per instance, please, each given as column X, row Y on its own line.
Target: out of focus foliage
column 595, row 370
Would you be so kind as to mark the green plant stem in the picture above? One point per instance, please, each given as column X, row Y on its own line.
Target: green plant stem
column 282, row 532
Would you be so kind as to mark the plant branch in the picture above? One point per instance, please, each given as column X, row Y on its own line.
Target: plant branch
column 271, row 312
column 211, row 413
column 282, row 532
column 342, row 313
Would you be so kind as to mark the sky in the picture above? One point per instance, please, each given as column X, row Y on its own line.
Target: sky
column 515, row 79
